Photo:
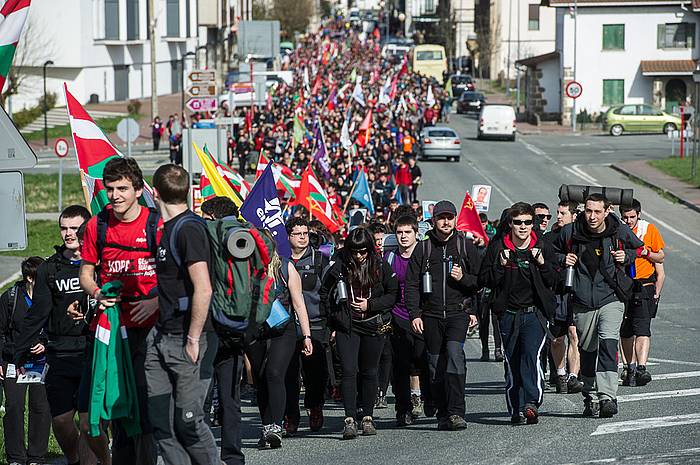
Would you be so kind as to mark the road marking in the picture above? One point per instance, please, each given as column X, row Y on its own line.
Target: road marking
column 684, row 374
column 42, row 166
column 532, row 148
column 678, row 362
column 12, row 278
column 647, row 423
column 580, row 144
column 663, row 457
column 659, row 395
column 493, row 183
column 607, row 151
column 576, row 171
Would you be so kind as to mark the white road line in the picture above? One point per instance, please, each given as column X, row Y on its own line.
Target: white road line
column 647, row 423
column 532, row 148
column 493, row 183
column 648, row 458
column 678, row 362
column 578, row 169
column 581, row 144
column 684, row 374
column 607, row 151
column 12, row 278
column 579, row 174
column 659, row 395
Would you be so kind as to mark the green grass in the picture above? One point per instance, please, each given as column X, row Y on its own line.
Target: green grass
column 108, row 125
column 674, row 166
column 42, row 235
column 41, row 192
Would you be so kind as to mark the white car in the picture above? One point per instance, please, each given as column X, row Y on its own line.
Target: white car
column 497, row 121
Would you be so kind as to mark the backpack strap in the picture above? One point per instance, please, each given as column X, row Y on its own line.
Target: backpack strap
column 175, row 232
column 461, row 248
column 427, row 249
column 151, row 234
column 102, row 223
column 13, row 293
column 390, row 258
column 152, row 231
column 54, row 267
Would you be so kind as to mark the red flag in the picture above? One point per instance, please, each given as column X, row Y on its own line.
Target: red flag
column 468, row 219
column 365, row 130
column 249, row 121
column 317, row 85
column 404, row 66
column 375, row 33
column 262, row 164
column 313, row 197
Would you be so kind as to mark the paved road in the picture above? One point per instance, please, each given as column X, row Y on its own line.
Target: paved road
column 531, row 169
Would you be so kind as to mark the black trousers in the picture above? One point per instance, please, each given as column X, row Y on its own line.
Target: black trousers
column 39, row 422
column 385, row 368
column 156, row 142
column 486, row 316
column 359, row 354
column 444, row 339
column 315, row 370
column 409, row 359
column 228, row 366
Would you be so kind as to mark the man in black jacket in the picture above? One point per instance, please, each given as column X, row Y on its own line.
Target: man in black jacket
column 598, row 246
column 450, row 263
column 519, row 269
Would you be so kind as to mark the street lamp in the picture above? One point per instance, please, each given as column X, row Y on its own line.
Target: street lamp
column 693, row 163
column 46, row 105
column 182, row 81
column 206, row 55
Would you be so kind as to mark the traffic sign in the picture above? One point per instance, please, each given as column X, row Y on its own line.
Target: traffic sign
column 201, row 90
column 202, row 104
column 128, row 130
column 15, row 153
column 201, row 76
column 574, row 89
column 61, row 148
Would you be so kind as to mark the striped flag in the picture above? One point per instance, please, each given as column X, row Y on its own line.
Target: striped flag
column 219, row 184
column 205, row 188
column 237, row 181
column 93, row 150
column 13, row 16
column 313, row 197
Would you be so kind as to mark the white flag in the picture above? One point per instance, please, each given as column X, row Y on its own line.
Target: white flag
column 357, row 93
column 345, row 140
column 384, row 97
column 430, row 99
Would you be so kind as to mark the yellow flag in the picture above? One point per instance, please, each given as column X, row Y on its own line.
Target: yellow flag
column 221, row 187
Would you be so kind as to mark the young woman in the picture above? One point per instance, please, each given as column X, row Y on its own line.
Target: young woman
column 270, row 357
column 359, row 291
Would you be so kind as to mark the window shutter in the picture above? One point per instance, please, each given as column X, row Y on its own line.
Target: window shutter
column 111, row 19
column 173, row 18
column 660, row 35
column 619, row 92
column 690, row 35
column 619, row 36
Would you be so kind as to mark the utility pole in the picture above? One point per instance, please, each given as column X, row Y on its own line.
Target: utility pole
column 573, row 117
column 154, row 80
column 510, row 36
column 517, row 68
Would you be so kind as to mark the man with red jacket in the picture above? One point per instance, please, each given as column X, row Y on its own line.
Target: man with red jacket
column 404, row 181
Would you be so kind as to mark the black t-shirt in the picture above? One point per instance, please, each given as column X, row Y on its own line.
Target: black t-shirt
column 592, row 253
column 521, row 293
column 175, row 288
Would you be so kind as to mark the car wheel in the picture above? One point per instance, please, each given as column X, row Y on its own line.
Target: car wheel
column 616, row 130
column 668, row 127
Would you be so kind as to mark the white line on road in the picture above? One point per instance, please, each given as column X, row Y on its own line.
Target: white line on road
column 607, row 151
column 14, row 277
column 581, row 144
column 580, row 174
column 649, row 458
column 532, row 148
column 678, row 362
column 493, row 183
column 659, row 395
column 684, row 374
column 647, row 423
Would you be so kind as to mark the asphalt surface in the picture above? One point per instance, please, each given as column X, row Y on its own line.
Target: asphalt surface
column 665, row 429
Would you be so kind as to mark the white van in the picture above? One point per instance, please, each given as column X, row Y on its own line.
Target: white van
column 497, row 121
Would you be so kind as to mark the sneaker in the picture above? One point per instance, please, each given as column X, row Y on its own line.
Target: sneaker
column 381, row 401
column 553, row 378
column 608, row 408
column 590, row 408
column 456, row 422
column 560, row 384
column 417, row 406
column 642, row 377
column 262, row 443
column 484, row 356
column 273, row 436
column 429, row 409
column 517, row 419
column 531, row 415
column 498, row 355
column 350, row 428
column 623, row 381
column 290, row 425
column 573, row 385
column 630, row 378
column 316, row 418
column 368, row 428
column 404, row 419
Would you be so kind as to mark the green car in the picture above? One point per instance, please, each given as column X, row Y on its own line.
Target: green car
column 639, row 118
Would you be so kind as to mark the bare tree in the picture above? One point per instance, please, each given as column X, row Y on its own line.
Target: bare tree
column 488, row 31
column 293, row 15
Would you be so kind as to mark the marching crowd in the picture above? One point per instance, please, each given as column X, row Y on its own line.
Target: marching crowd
column 142, row 313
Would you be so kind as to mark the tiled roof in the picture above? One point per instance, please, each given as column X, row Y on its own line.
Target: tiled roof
column 661, row 67
column 533, row 61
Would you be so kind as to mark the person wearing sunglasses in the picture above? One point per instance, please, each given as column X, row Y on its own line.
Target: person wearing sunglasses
column 518, row 268
column 359, row 291
column 542, row 215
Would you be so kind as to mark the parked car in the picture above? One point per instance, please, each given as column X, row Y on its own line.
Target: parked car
column 639, row 118
column 470, row 102
column 461, row 83
column 496, row 121
column 438, row 142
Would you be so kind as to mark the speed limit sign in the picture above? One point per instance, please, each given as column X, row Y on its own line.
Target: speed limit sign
column 574, row 90
column 61, row 148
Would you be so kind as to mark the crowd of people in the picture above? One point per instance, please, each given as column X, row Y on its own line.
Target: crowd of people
column 141, row 290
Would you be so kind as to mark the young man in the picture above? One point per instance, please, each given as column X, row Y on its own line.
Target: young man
column 598, row 247
column 122, row 240
column 649, row 277
column 178, row 380
column 56, row 290
column 310, row 263
column 519, row 270
column 408, row 347
column 451, row 263
column 542, row 215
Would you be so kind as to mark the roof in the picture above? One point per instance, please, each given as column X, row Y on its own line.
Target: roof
column 585, row 3
column 667, row 67
column 534, row 61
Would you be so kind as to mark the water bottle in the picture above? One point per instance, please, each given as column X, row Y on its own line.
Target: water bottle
column 342, row 290
column 569, row 279
column 427, row 283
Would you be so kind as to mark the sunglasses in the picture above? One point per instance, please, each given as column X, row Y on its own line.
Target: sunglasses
column 519, row 222
column 543, row 216
column 359, row 252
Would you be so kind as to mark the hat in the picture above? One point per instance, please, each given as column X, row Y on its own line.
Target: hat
column 444, row 206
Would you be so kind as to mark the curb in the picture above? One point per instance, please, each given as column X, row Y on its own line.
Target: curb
column 647, row 183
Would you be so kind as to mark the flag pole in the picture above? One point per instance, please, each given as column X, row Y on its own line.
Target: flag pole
column 352, row 191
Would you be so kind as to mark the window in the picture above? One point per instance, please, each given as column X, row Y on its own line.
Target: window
column 614, row 92
column 627, row 110
column 132, row 19
column 647, row 110
column 429, row 55
column 533, row 17
column 675, row 35
column 111, row 19
column 173, row 18
column 613, row 36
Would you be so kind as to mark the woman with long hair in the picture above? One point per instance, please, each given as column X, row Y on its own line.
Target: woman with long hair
column 270, row 356
column 359, row 290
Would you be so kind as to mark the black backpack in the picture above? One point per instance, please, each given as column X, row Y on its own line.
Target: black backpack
column 151, row 234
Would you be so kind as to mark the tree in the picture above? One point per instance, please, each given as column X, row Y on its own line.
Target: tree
column 293, row 15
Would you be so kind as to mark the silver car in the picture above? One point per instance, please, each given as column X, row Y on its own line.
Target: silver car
column 440, row 141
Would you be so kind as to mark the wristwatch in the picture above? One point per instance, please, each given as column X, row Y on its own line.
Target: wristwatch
column 307, row 337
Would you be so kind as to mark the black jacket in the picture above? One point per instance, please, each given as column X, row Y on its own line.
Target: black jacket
column 57, row 286
column 499, row 278
column 12, row 321
column 383, row 297
column 311, row 267
column 449, row 295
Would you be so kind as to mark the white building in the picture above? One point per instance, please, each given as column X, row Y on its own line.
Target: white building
column 101, row 48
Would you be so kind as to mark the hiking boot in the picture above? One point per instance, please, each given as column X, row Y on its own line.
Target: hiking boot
column 273, row 436
column 484, row 356
column 560, row 384
column 429, row 409
column 290, row 425
column 498, row 355
column 517, row 419
column 590, row 408
column 573, row 385
column 368, row 428
column 608, row 408
column 630, row 378
column 531, row 415
column 416, row 406
column 316, row 418
column 404, row 419
column 456, row 422
column 350, row 428
column 642, row 377
column 381, row 401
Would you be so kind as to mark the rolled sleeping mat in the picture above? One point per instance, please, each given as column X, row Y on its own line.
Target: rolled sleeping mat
column 577, row 193
column 240, row 243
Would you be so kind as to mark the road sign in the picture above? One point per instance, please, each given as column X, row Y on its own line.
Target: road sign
column 201, row 90
column 202, row 104
column 15, row 153
column 574, row 90
column 201, row 76
column 13, row 234
column 61, row 148
column 128, row 130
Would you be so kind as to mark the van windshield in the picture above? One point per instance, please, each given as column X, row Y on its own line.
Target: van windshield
column 429, row 55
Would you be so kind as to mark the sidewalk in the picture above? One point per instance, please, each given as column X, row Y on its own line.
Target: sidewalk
column 643, row 172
